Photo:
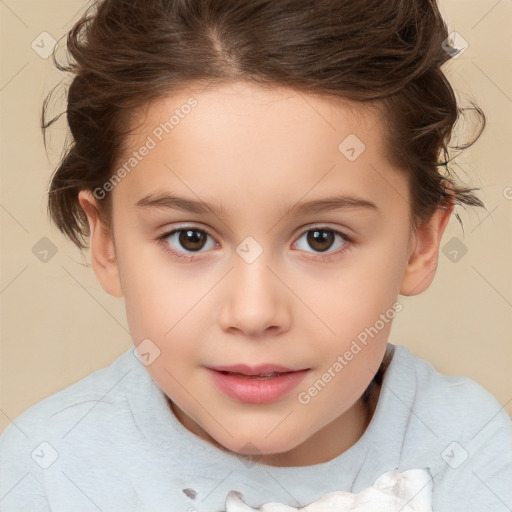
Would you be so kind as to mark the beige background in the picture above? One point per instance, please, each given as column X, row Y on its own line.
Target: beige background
column 58, row 325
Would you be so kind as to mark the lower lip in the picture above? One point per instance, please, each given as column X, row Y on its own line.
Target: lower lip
column 256, row 391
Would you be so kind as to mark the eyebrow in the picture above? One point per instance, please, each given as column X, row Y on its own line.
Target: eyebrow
column 169, row 201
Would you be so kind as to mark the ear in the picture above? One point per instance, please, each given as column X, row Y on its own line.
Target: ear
column 423, row 259
column 103, row 253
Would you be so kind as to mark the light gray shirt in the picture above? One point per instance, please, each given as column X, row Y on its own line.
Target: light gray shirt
column 111, row 443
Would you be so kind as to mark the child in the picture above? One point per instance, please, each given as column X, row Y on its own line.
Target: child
column 260, row 182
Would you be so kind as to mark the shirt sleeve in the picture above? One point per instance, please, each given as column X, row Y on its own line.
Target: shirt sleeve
column 490, row 468
column 477, row 475
column 20, row 487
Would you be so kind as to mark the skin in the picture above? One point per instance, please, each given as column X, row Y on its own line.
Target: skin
column 255, row 152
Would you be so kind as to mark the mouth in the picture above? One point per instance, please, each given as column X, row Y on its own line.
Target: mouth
column 265, row 376
column 263, row 370
column 256, row 385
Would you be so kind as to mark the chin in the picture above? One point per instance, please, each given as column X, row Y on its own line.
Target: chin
column 258, row 445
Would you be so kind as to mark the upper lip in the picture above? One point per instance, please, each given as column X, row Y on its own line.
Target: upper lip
column 262, row 369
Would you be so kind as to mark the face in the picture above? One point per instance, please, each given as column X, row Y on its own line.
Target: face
column 296, row 254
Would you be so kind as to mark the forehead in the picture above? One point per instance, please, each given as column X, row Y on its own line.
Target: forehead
column 239, row 139
column 275, row 106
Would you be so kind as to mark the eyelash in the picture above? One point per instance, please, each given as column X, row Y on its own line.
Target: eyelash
column 162, row 240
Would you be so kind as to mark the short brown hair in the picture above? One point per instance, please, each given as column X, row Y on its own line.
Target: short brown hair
column 382, row 53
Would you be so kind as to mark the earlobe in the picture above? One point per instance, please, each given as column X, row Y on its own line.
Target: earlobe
column 422, row 263
column 103, row 253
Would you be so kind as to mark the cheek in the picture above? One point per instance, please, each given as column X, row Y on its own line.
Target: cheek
column 165, row 303
column 356, row 302
column 354, row 296
column 153, row 298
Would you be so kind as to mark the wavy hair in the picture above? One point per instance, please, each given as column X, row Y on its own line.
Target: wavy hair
column 382, row 53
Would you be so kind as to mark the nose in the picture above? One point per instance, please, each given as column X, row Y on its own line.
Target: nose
column 255, row 300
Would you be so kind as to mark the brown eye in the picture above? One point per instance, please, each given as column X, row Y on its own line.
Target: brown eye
column 187, row 241
column 320, row 240
column 192, row 239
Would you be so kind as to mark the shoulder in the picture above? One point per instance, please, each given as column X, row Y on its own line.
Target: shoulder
column 448, row 403
column 103, row 390
column 70, row 429
column 451, row 425
column 451, row 389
